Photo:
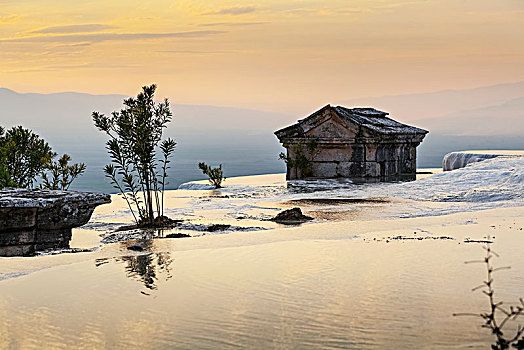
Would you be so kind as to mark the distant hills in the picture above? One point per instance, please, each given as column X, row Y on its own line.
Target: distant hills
column 71, row 112
column 490, row 117
column 419, row 106
column 501, row 119
column 491, row 110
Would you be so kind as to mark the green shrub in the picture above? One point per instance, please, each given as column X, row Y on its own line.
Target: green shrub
column 5, row 178
column 302, row 160
column 24, row 155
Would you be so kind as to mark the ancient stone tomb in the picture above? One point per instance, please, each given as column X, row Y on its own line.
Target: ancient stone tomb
column 359, row 143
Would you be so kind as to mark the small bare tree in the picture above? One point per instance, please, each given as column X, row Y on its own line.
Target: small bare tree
column 497, row 316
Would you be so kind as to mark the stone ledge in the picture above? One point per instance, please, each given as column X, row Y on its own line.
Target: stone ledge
column 32, row 220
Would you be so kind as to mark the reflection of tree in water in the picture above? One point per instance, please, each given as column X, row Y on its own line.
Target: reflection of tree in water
column 148, row 268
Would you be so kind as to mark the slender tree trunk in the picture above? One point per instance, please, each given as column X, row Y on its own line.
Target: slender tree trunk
column 157, row 199
column 149, row 200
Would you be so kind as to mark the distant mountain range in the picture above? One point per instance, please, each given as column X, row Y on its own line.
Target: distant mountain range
column 70, row 112
column 502, row 119
column 414, row 107
column 491, row 110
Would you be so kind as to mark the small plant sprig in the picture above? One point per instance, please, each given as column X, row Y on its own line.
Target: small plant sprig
column 497, row 316
column 61, row 173
column 216, row 175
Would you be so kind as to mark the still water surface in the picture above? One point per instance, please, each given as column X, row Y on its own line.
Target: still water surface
column 301, row 294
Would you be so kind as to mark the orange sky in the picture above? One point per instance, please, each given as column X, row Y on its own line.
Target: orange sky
column 289, row 56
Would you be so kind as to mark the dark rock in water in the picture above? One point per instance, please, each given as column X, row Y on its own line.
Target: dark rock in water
column 291, row 217
column 33, row 220
column 136, row 248
column 164, row 222
column 177, row 235
column 217, row 227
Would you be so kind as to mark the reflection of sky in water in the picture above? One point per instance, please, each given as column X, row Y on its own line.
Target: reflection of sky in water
column 301, row 294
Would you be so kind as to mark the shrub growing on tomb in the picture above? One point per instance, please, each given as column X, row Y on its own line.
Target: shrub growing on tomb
column 302, row 157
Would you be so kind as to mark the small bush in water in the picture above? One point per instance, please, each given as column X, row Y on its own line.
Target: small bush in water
column 216, row 175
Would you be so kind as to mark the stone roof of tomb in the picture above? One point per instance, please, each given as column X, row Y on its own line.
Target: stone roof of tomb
column 370, row 118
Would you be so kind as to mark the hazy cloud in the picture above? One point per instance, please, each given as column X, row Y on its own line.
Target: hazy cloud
column 75, row 28
column 7, row 18
column 234, row 11
column 231, row 24
column 103, row 65
column 399, row 4
column 193, row 51
column 94, row 38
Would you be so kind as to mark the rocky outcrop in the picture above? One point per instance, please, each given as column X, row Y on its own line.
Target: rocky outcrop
column 291, row 217
column 32, row 220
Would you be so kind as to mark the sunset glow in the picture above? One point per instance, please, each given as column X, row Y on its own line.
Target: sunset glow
column 288, row 56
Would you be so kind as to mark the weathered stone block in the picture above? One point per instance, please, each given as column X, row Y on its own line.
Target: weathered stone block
column 383, row 153
column 357, row 169
column 408, row 167
column 372, row 169
column 16, row 218
column 339, row 154
column 344, row 169
column 358, row 153
column 53, row 236
column 65, row 215
column 17, row 237
column 323, row 170
column 335, row 129
column 17, row 250
column 371, row 152
column 392, row 169
column 413, row 152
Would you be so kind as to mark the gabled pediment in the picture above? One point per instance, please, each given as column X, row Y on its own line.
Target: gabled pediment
column 333, row 127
